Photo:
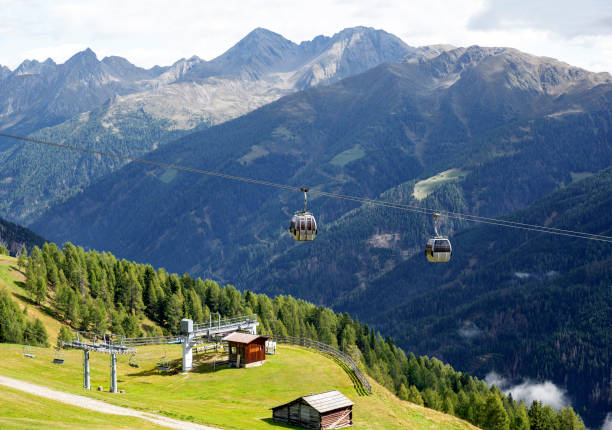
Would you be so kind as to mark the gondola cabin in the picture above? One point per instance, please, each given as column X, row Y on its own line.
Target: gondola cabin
column 438, row 250
column 303, row 226
column 329, row 410
column 246, row 350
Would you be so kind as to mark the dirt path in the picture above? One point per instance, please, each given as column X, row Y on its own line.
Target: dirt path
column 98, row 405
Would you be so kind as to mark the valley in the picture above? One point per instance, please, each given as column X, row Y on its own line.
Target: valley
column 132, row 248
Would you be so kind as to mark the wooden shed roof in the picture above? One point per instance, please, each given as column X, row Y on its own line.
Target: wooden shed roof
column 242, row 338
column 324, row 402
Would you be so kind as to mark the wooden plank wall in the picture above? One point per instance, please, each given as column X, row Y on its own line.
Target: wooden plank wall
column 340, row 417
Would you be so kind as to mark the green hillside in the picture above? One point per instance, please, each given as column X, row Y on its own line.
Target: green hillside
column 228, row 398
column 76, row 287
column 22, row 411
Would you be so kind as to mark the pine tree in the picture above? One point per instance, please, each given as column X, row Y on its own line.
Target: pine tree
column 549, row 418
column 40, row 333
column 432, row 399
column 495, row 416
column 521, row 418
column 131, row 295
column 22, row 259
column 97, row 316
column 568, row 420
column 12, row 321
column 65, row 335
column 414, row 396
column 403, row 393
column 62, row 299
column 73, row 307
column 130, row 326
column 536, row 420
column 36, row 276
column 173, row 313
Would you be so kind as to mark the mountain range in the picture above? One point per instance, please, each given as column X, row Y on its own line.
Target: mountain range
column 480, row 130
column 118, row 107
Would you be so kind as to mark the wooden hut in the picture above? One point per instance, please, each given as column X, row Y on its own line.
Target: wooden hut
column 246, row 350
column 329, row 410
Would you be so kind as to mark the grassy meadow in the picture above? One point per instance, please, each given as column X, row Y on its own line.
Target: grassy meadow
column 226, row 398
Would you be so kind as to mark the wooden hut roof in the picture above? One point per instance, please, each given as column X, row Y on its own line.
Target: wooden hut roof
column 242, row 338
column 324, row 402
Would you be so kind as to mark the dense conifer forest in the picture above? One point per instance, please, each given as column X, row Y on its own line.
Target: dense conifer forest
column 97, row 292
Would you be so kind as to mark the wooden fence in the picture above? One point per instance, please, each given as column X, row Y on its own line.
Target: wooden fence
column 344, row 358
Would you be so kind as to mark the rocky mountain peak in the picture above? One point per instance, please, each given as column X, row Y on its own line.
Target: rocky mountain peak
column 28, row 67
column 349, row 52
column 4, row 72
column 257, row 42
column 83, row 58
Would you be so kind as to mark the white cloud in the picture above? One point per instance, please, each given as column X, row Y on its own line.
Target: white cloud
column 564, row 17
column 607, row 424
column 159, row 32
column 546, row 392
column 494, row 378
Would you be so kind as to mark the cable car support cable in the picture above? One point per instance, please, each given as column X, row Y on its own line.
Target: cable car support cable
column 363, row 200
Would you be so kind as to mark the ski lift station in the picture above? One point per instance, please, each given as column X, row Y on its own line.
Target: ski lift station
column 246, row 350
column 190, row 335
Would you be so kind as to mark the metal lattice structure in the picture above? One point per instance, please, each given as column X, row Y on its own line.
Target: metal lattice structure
column 190, row 334
column 88, row 342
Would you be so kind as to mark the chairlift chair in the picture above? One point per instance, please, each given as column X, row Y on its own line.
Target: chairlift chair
column 27, row 350
column 132, row 362
column 163, row 363
column 59, row 356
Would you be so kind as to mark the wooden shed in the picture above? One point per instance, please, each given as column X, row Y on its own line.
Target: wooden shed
column 329, row 410
column 246, row 350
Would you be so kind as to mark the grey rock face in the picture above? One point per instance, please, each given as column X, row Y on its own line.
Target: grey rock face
column 37, row 94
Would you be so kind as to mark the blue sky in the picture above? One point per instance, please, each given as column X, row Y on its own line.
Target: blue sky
column 160, row 32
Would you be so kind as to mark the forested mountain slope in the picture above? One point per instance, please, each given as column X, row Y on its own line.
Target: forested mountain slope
column 535, row 120
column 13, row 237
column 143, row 109
column 96, row 292
column 519, row 303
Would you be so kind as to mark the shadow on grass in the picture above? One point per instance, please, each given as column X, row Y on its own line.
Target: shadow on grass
column 206, row 363
column 43, row 308
column 174, row 367
column 273, row 423
column 359, row 388
column 17, row 269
